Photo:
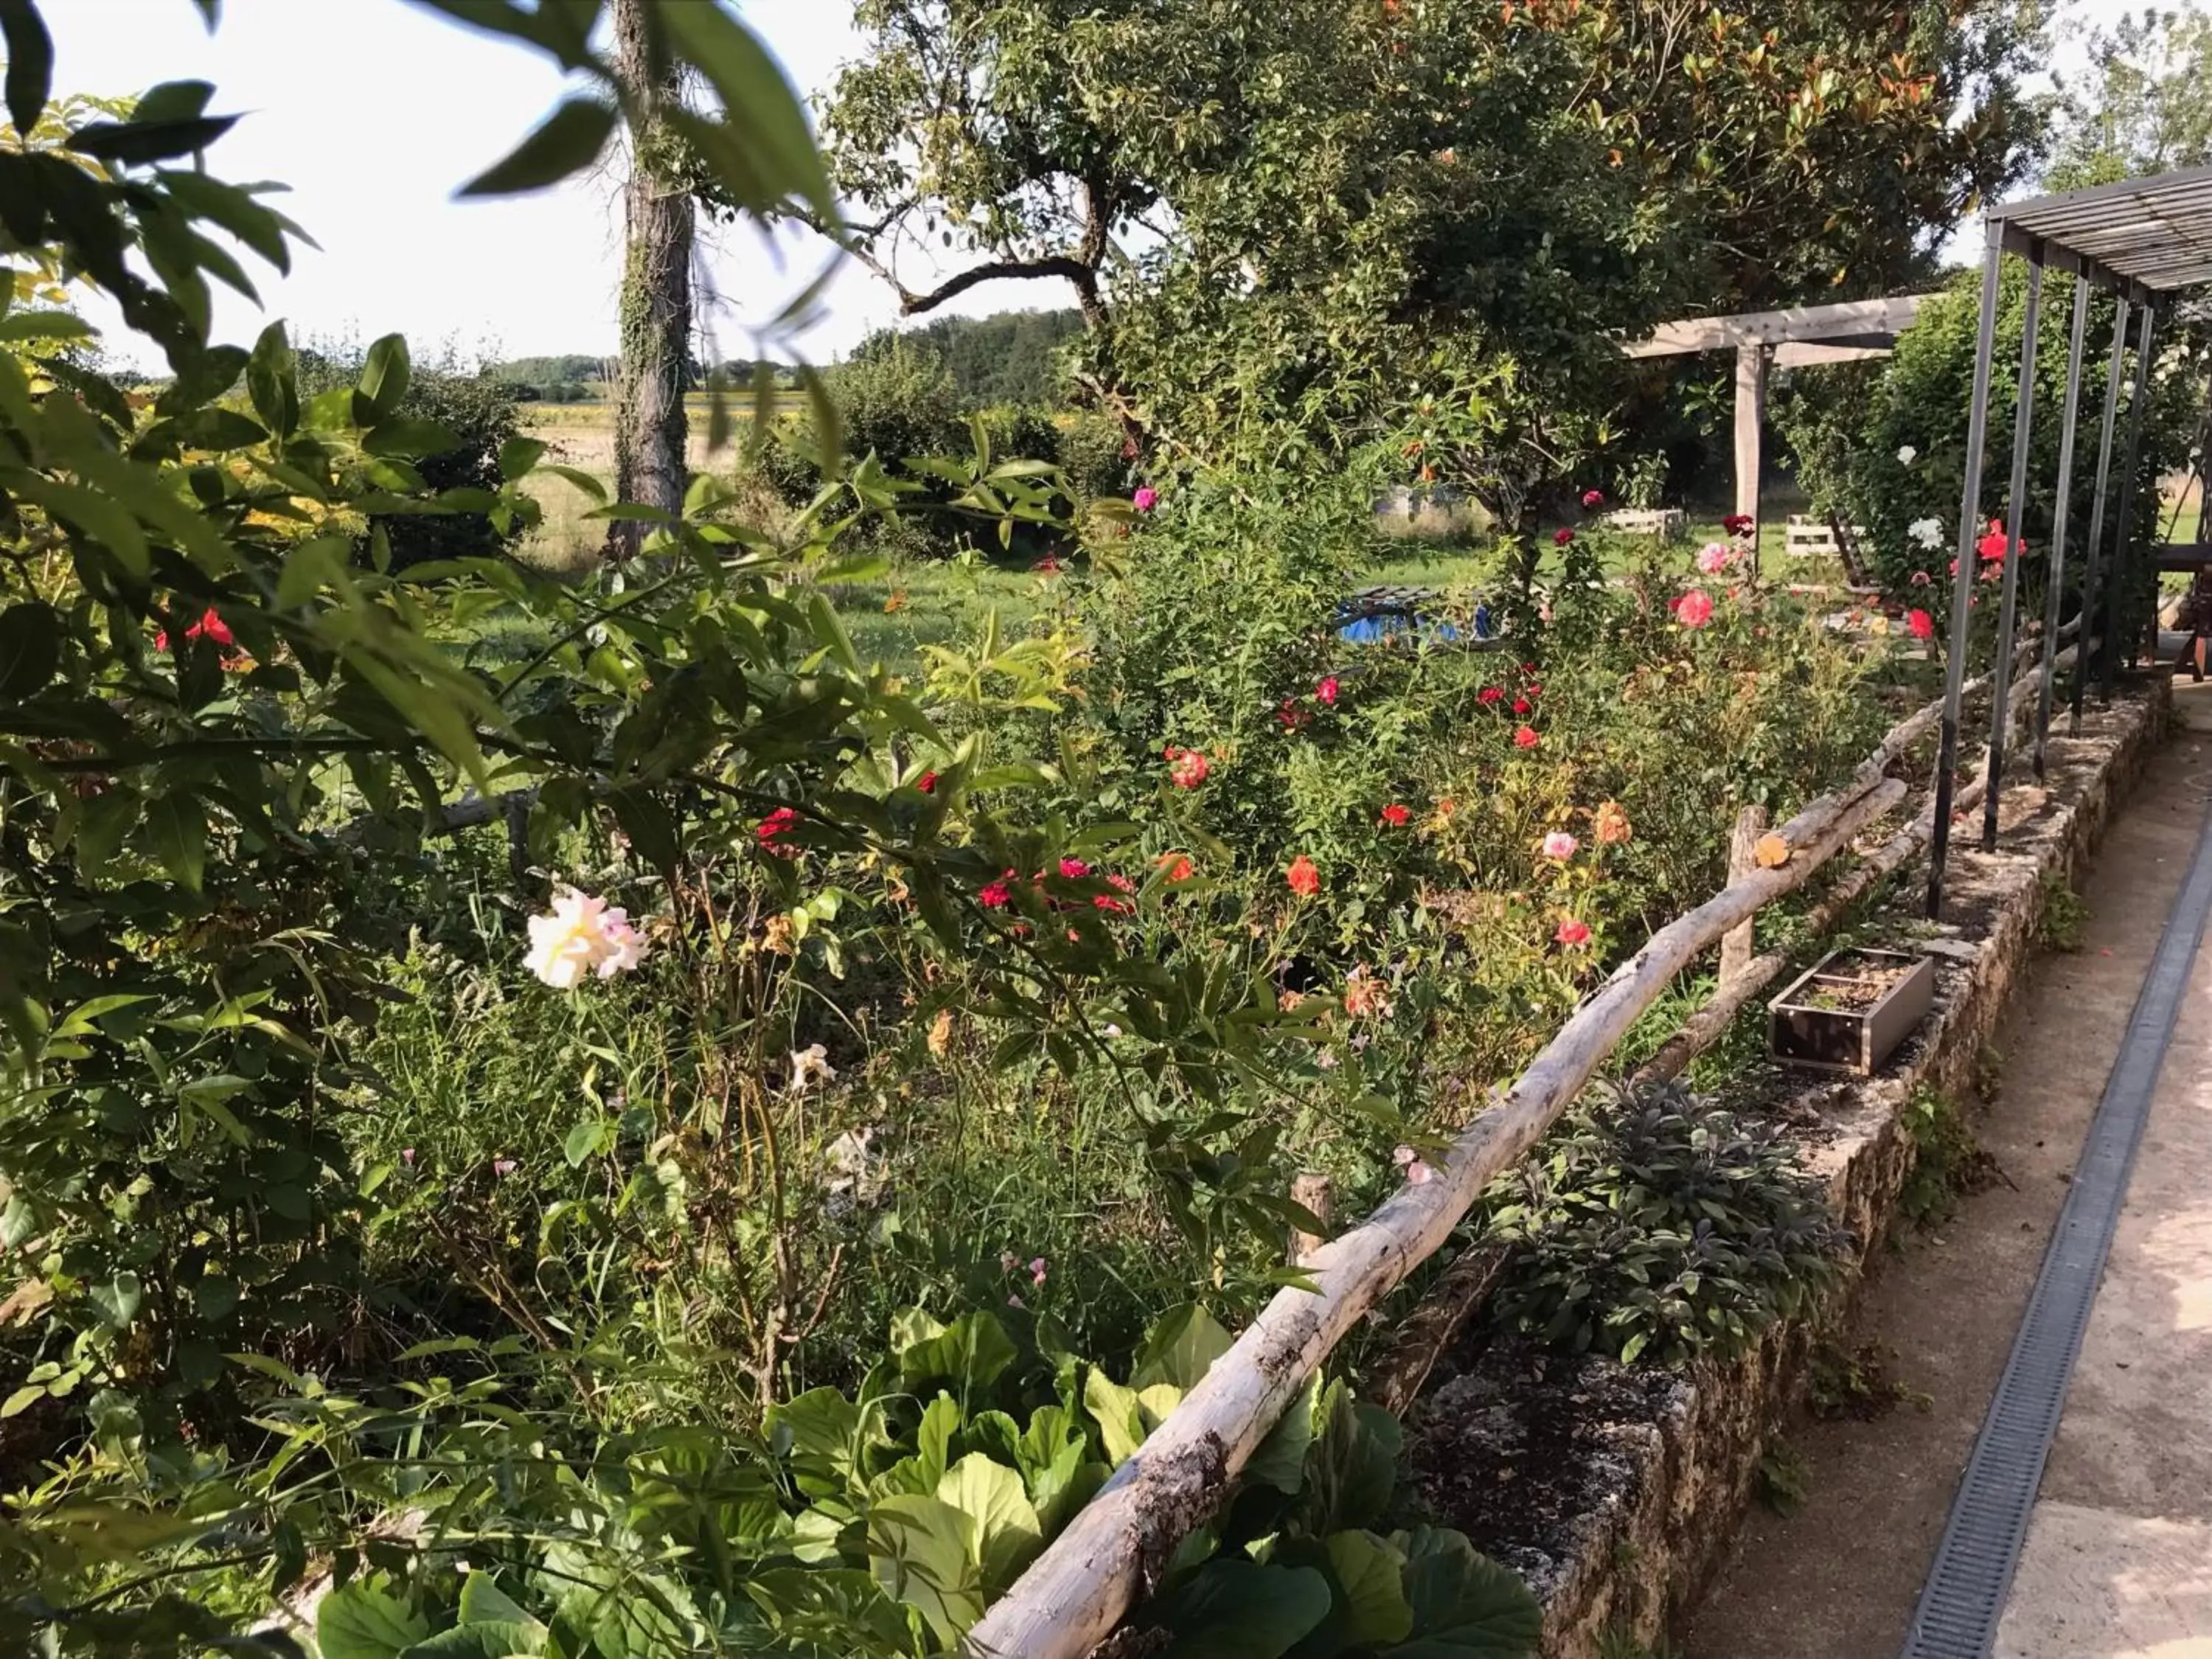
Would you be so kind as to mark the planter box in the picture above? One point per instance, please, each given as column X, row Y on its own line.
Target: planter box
column 1851, row 1010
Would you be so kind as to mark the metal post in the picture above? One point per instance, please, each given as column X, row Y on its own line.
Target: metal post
column 2088, row 613
column 2116, row 585
column 2055, row 583
column 1962, row 584
column 2023, row 421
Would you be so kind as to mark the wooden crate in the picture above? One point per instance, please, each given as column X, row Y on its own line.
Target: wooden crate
column 1669, row 524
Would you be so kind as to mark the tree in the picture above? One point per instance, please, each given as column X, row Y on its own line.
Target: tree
column 2145, row 103
column 660, row 221
column 1305, row 214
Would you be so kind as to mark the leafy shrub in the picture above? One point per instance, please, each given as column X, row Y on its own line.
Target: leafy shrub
column 1884, row 445
column 1652, row 1225
column 479, row 413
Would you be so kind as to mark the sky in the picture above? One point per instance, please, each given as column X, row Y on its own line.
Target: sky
column 374, row 111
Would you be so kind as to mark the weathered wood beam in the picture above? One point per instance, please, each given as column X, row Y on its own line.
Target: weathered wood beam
column 1890, row 316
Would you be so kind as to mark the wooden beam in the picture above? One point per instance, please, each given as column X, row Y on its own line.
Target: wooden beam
column 1889, row 317
column 1750, row 421
column 1805, row 354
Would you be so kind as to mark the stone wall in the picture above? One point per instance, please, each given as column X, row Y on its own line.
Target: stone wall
column 1614, row 1490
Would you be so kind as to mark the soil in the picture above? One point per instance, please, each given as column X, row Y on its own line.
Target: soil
column 1854, row 982
column 1840, row 1578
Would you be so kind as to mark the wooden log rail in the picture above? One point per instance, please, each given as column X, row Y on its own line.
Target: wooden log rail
column 1117, row 1548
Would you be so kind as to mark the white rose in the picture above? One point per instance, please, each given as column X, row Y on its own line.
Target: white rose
column 1906, row 455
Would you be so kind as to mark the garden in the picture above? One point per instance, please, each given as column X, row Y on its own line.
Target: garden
column 632, row 1112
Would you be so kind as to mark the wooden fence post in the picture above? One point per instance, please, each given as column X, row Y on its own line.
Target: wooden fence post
column 1743, row 860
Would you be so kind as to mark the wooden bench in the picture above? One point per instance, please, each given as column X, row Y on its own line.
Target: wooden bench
column 1669, row 524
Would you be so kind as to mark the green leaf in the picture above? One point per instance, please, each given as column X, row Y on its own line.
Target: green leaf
column 22, row 1400
column 1280, row 1463
column 142, row 142
column 482, row 1602
column 924, row 1553
column 1179, row 1348
column 30, row 649
column 569, row 139
column 89, row 513
column 583, row 1141
column 45, row 326
column 409, row 437
column 359, row 1622
column 969, row 1353
column 384, row 376
column 1465, row 1606
column 645, row 819
column 518, row 456
column 117, row 1300
column 491, row 1639
column 270, row 383
column 766, row 145
column 1371, row 1601
column 176, row 833
column 30, row 62
column 1238, row 1609
column 1008, row 1533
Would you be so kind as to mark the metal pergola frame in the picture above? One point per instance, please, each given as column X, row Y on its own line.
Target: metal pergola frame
column 2145, row 240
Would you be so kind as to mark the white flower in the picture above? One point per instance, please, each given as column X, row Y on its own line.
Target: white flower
column 1928, row 532
column 809, row 1063
column 581, row 935
column 1906, row 455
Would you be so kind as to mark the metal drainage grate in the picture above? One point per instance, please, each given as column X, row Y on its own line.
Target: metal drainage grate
column 1965, row 1596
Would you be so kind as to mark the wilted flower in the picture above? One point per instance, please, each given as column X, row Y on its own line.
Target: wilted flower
column 581, row 935
column 1187, row 767
column 502, row 1167
column 1408, row 1161
column 1037, row 1271
column 1560, row 845
column 940, row 1034
column 1364, row 994
column 1926, row 532
column 1921, row 578
column 1610, row 823
column 1715, row 557
column 1304, row 878
column 809, row 1063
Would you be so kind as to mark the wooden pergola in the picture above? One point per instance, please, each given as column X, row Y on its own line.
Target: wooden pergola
column 1795, row 337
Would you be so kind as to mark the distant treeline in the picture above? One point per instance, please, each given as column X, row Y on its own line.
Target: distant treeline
column 1008, row 357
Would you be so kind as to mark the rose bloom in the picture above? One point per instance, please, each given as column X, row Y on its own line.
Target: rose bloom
column 1145, row 499
column 926, row 783
column 1926, row 532
column 1395, row 815
column 1715, row 557
column 1179, row 866
column 1738, row 524
column 1522, row 706
column 1304, row 878
column 1490, row 693
column 1921, row 578
column 1562, row 536
column 1526, row 738
column 1610, row 824
column 581, row 935
column 1560, row 845
column 771, row 830
column 1906, row 454
column 1573, row 932
column 1922, row 625
column 1187, row 767
column 1327, row 689
column 1593, row 498
column 1694, row 609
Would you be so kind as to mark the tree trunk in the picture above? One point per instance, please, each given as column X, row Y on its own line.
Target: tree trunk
column 658, row 217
